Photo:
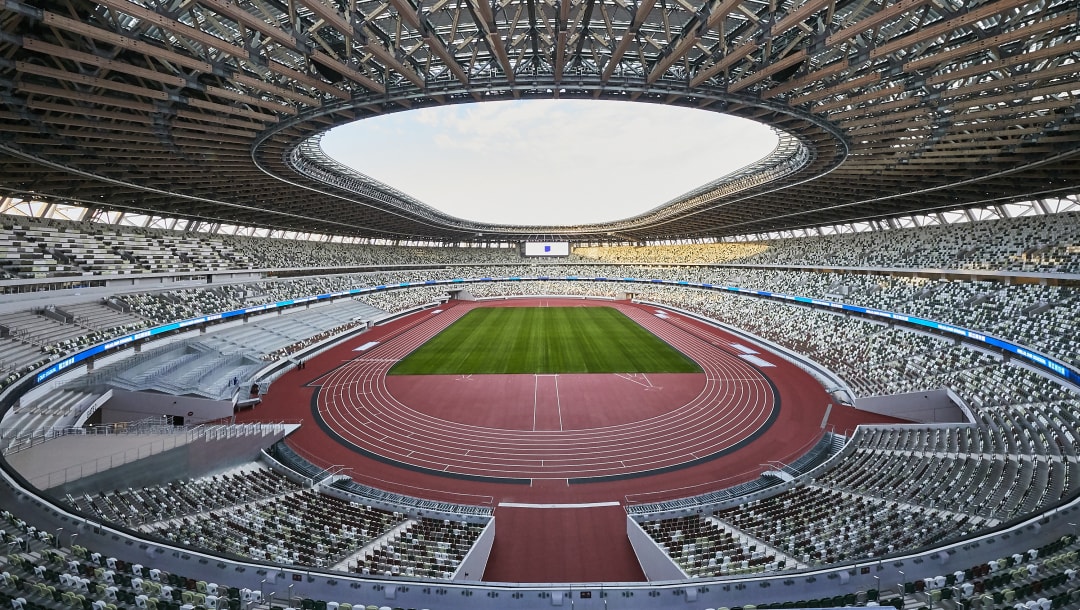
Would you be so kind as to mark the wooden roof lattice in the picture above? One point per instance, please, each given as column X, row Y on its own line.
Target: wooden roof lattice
column 213, row 109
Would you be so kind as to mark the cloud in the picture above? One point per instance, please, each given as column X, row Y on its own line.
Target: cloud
column 547, row 161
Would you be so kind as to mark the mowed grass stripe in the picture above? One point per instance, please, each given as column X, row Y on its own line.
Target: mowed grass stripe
column 510, row 340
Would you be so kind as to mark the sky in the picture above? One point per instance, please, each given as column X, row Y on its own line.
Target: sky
column 542, row 162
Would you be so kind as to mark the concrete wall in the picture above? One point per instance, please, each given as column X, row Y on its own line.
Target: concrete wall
column 929, row 407
column 52, row 384
column 472, row 568
column 194, row 459
column 67, row 458
column 117, row 356
column 654, row 562
column 127, row 405
column 91, row 410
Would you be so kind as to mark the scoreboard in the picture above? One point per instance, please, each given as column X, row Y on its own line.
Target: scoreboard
column 546, row 248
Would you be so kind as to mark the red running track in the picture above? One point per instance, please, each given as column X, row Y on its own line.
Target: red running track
column 546, row 402
column 558, row 545
column 354, row 400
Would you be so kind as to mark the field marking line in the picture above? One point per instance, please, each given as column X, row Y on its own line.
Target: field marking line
column 632, row 378
column 536, row 389
column 558, row 402
column 581, row 505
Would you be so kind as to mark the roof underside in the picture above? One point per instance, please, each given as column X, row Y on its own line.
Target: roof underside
column 211, row 109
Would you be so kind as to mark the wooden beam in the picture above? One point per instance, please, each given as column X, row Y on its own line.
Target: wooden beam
column 346, row 70
column 849, row 85
column 407, row 12
column 730, row 59
column 1015, row 60
column 233, row 11
column 131, row 44
column 67, row 94
column 248, row 99
column 628, row 37
column 677, row 53
column 436, row 46
column 329, row 15
column 89, row 81
column 815, row 76
column 89, row 111
column 926, row 33
column 112, row 65
column 225, row 109
column 768, row 71
column 994, row 41
column 180, row 29
column 798, row 15
column 887, row 13
column 307, row 79
column 273, row 89
column 719, row 12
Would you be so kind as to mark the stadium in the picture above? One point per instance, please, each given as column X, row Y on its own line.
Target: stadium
column 238, row 373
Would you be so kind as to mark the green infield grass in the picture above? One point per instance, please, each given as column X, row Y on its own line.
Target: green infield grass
column 491, row 340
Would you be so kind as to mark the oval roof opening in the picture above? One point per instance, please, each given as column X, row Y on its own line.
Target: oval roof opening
column 544, row 162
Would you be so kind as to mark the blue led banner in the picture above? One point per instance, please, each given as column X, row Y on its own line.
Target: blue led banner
column 1054, row 366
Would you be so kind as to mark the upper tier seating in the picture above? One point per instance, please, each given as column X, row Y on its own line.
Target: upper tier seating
column 55, row 248
column 1047, row 244
column 1035, row 315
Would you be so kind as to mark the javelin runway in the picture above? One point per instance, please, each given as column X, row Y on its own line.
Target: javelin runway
column 734, row 404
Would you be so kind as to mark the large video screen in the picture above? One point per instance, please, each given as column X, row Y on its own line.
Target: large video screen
column 547, row 248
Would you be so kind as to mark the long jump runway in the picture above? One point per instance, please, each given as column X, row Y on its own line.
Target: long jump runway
column 532, row 427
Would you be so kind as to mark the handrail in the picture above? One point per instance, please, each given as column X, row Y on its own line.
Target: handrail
column 639, row 502
column 472, row 501
column 174, row 436
column 154, row 425
column 21, row 441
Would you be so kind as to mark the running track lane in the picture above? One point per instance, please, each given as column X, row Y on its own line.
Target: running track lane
column 737, row 403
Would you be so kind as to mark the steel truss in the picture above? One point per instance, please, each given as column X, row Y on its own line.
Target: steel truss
column 211, row 110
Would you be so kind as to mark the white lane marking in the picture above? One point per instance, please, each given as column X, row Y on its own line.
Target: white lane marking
column 584, row 505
